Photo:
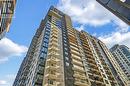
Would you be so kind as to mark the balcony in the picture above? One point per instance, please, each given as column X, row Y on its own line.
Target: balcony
column 72, row 38
column 95, row 71
column 39, row 81
column 51, row 76
column 75, row 53
column 79, row 63
column 55, row 44
column 96, row 78
column 54, row 40
column 74, row 48
column 80, row 75
column 57, row 68
column 54, row 35
column 93, row 66
column 74, row 41
column 78, row 68
column 86, row 42
column 97, row 83
column 113, row 83
column 55, row 29
column 54, row 84
column 50, row 67
column 101, row 58
column 90, row 57
column 91, row 61
column 103, row 63
column 53, row 51
column 75, row 45
column 110, row 77
column 50, row 85
column 71, row 34
column 86, row 46
column 53, row 60
column 76, row 58
column 106, row 67
column 87, row 50
column 79, row 82
column 53, row 54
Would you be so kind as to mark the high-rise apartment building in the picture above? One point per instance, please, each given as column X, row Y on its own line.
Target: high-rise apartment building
column 121, row 8
column 122, row 55
column 6, row 13
column 59, row 55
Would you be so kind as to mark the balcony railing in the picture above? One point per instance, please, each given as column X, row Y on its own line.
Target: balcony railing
column 79, row 82
column 78, row 68
column 79, row 63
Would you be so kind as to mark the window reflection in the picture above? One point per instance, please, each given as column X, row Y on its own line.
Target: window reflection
column 120, row 8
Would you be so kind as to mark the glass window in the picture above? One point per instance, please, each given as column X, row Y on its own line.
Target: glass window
column 67, row 64
column 45, row 50
column 64, row 37
column 66, row 53
column 47, row 33
column 50, row 81
column 66, row 58
column 42, row 54
column 65, row 41
column 45, row 44
column 66, row 48
column 46, row 36
column 48, row 29
column 65, row 44
column 118, row 8
column 46, row 40
column 106, row 81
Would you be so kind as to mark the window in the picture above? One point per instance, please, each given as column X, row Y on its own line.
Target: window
column 40, row 69
column 41, row 62
column 66, row 53
column 47, row 36
column 65, row 41
column 104, row 76
column 65, row 44
column 46, row 40
column 66, row 48
column 64, row 37
column 45, row 44
column 50, row 81
column 47, row 33
column 67, row 64
column 101, row 70
column 53, row 72
column 39, row 78
column 106, row 81
column 48, row 26
column 45, row 50
column 43, row 54
column 66, row 58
